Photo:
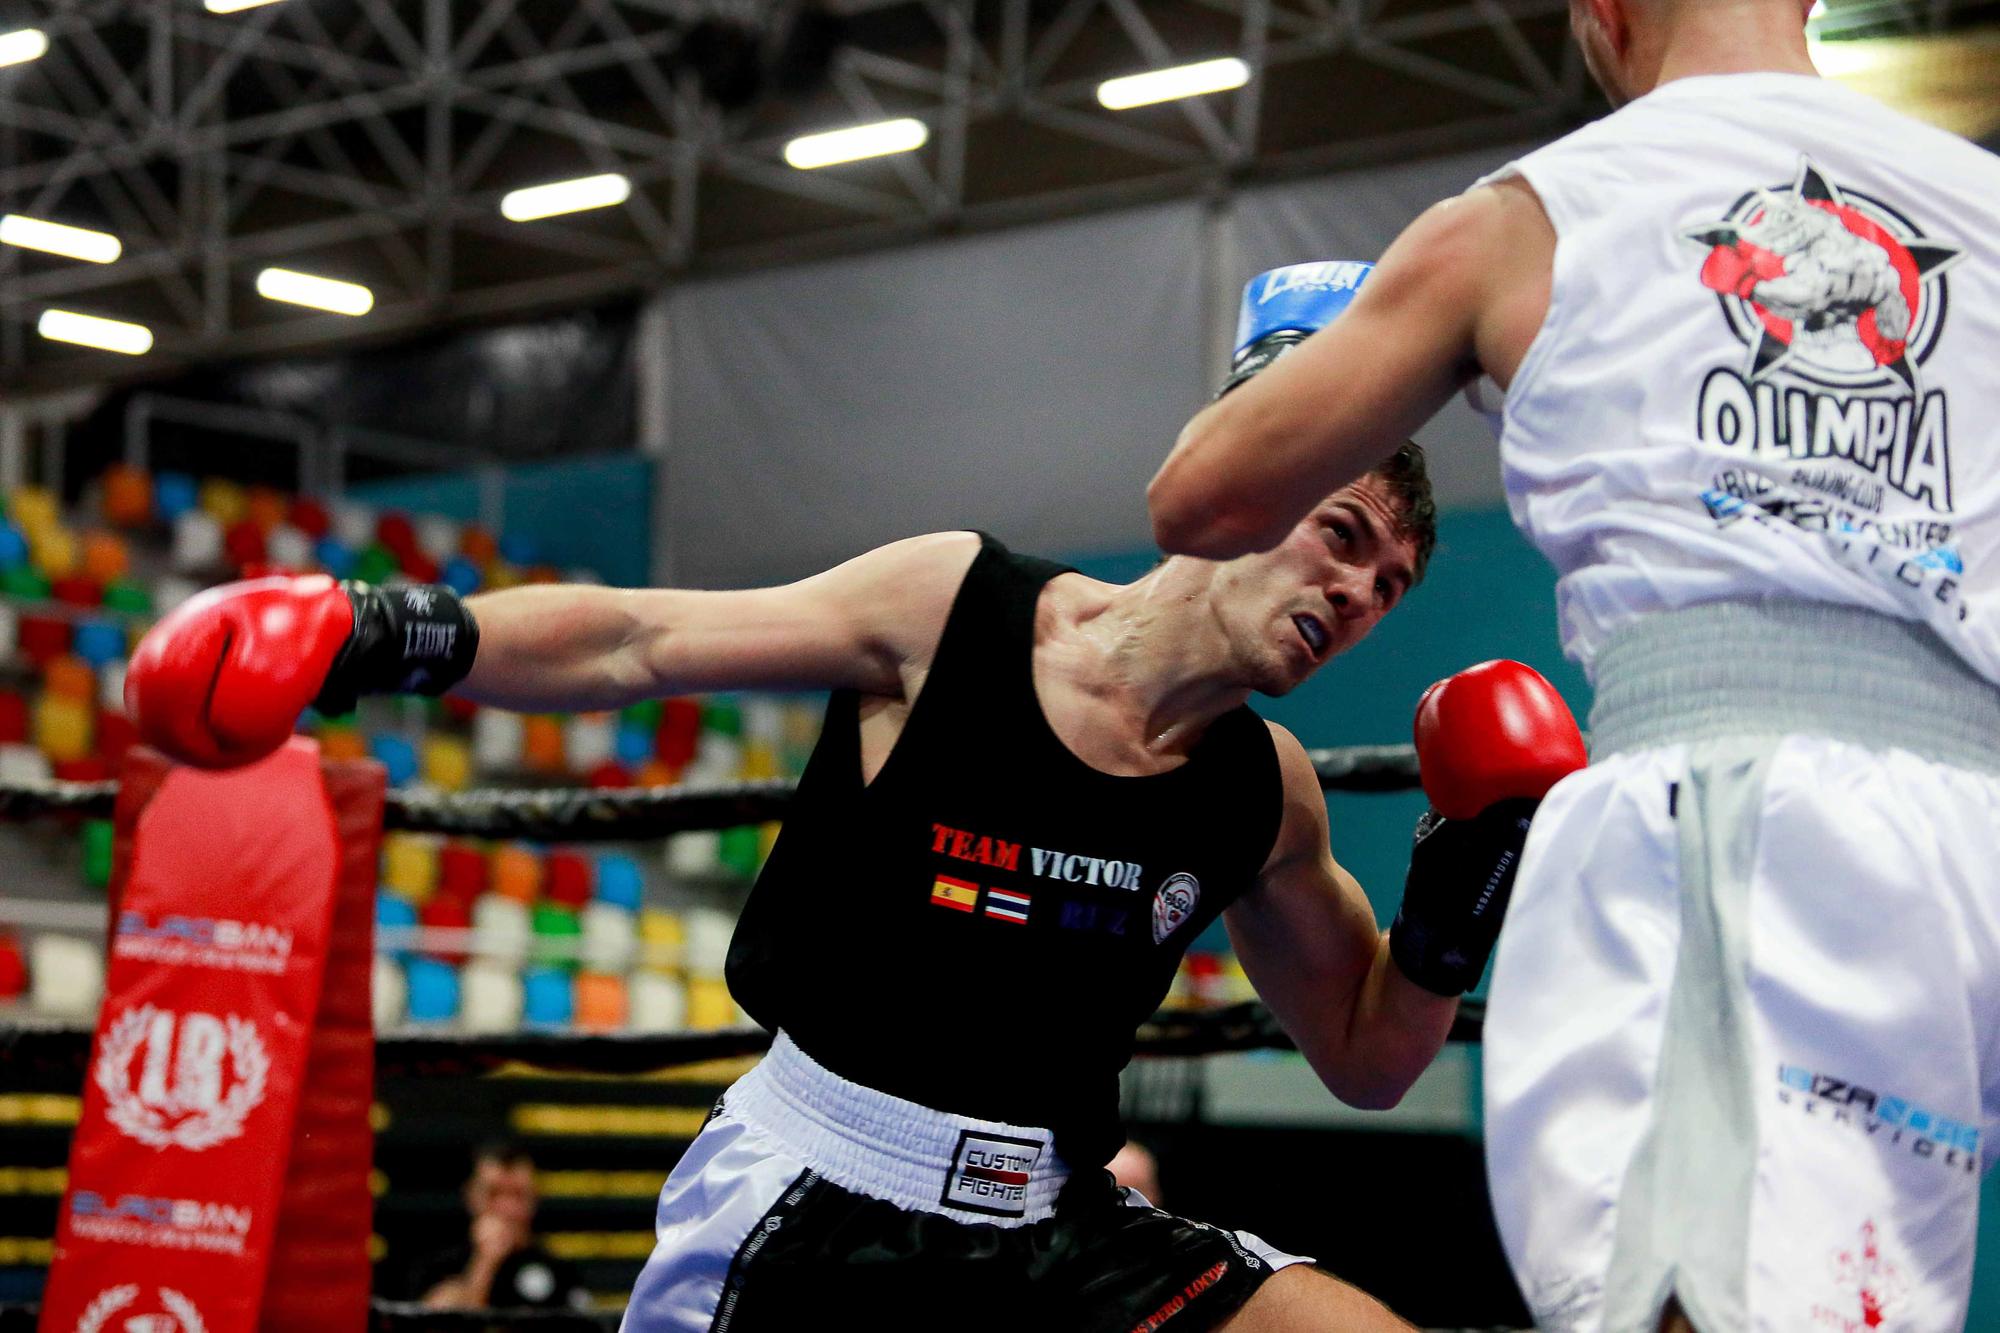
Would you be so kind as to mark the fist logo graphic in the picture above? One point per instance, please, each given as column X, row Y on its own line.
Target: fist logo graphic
column 1830, row 285
column 1826, row 276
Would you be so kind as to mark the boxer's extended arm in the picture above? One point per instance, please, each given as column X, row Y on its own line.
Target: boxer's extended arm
column 1309, row 942
column 856, row 626
column 222, row 679
column 1464, row 287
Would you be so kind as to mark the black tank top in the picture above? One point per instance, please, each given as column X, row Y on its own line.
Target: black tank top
column 981, row 929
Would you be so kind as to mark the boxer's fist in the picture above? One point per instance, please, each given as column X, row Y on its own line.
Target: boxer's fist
column 1491, row 741
column 1493, row 732
column 222, row 679
column 1284, row 307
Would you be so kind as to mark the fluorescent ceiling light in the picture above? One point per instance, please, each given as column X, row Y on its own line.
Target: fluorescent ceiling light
column 231, row 6
column 545, row 201
column 1165, row 85
column 94, row 247
column 109, row 335
column 22, row 45
column 856, row 142
column 342, row 298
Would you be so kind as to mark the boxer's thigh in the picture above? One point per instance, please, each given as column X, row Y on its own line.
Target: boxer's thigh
column 1809, row 1155
column 1871, row 947
column 722, row 1195
column 1120, row 1265
column 1302, row 1299
column 1575, row 1020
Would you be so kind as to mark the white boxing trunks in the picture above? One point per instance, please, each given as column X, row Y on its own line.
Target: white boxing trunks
column 1740, row 1045
column 809, row 1200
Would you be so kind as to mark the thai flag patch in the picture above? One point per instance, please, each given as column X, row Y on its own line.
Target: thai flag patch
column 1007, row 905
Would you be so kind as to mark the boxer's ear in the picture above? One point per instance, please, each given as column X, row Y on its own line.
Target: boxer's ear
column 1603, row 30
column 1600, row 25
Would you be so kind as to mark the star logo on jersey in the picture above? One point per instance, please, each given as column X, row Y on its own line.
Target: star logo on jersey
column 1827, row 283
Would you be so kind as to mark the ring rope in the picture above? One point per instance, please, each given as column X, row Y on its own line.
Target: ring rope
column 581, row 814
column 407, row 1317
column 63, row 1049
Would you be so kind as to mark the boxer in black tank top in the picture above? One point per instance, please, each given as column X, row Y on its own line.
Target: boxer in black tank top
column 1032, row 791
column 993, row 865
column 992, row 854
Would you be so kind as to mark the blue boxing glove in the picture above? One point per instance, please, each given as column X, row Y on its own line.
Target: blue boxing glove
column 1284, row 307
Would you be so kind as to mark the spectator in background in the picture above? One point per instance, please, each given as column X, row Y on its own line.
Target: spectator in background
column 1135, row 1167
column 501, row 1265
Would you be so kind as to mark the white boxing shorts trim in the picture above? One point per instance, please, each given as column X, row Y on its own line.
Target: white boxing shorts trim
column 896, row 1150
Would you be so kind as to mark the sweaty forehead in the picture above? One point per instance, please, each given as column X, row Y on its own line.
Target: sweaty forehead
column 1372, row 495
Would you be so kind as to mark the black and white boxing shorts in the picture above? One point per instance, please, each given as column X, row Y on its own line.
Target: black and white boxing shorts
column 809, row 1201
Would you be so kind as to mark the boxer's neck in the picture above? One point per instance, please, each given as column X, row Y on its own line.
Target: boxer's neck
column 1683, row 40
column 1147, row 660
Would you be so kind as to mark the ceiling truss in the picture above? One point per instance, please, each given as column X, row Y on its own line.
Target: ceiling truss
column 372, row 139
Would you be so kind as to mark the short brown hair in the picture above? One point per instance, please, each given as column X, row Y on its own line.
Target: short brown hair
column 1406, row 475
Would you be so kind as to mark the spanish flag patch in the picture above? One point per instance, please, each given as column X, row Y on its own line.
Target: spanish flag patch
column 956, row 894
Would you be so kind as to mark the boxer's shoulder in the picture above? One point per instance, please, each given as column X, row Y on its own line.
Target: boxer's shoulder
column 900, row 595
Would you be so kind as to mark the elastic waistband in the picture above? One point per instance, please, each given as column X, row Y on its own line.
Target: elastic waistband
column 1789, row 668
column 895, row 1150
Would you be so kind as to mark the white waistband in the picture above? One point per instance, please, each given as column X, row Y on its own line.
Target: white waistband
column 895, row 1150
column 1778, row 668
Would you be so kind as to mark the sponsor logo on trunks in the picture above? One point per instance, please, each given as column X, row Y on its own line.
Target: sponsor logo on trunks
column 1869, row 1283
column 126, row 1309
column 1173, row 904
column 199, row 941
column 1896, row 1121
column 1180, row 1301
column 1838, row 299
column 172, row 1224
column 957, row 894
column 1008, row 905
column 198, row 1076
column 989, row 1174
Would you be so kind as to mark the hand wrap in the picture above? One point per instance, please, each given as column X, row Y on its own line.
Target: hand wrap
column 1455, row 895
column 409, row 638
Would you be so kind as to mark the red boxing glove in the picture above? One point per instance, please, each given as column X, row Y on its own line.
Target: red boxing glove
column 1493, row 732
column 221, row 680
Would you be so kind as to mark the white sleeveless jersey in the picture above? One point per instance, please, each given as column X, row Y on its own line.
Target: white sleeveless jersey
column 1770, row 366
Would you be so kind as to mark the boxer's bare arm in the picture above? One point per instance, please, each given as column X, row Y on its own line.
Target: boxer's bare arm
column 1464, row 288
column 1309, row 943
column 870, row 624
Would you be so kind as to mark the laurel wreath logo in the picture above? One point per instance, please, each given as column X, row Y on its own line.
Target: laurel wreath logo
column 109, row 1302
column 113, row 1299
column 150, row 1124
column 182, row 1309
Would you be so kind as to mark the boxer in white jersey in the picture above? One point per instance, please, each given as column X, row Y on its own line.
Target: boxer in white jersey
column 1740, row 1065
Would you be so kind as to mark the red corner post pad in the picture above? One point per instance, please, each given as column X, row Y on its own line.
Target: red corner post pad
column 219, row 1175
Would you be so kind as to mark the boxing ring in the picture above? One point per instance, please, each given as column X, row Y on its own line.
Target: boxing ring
column 71, row 1055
